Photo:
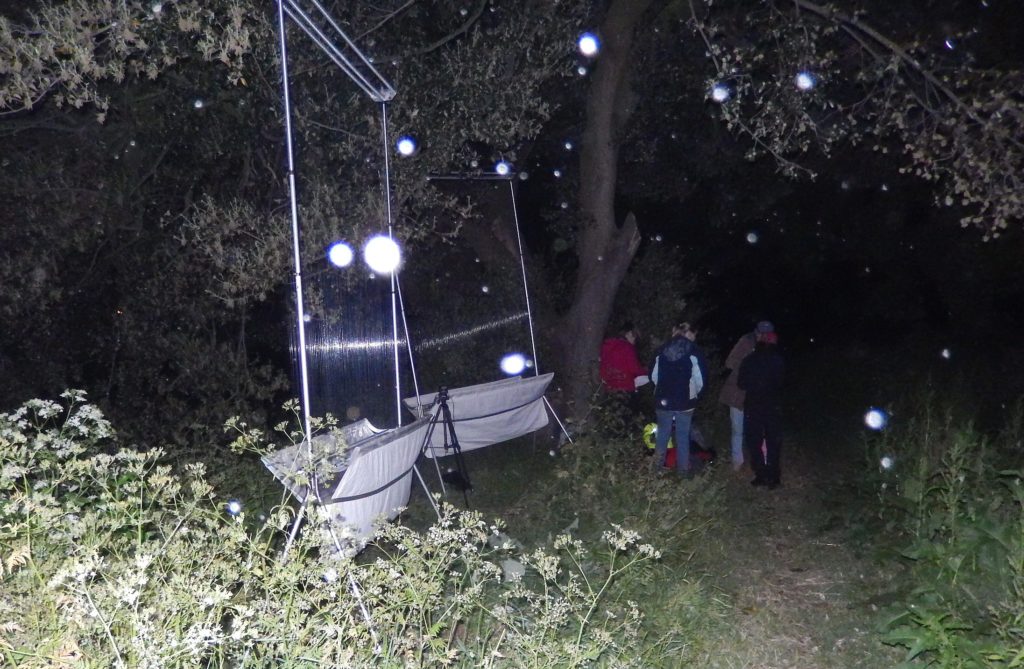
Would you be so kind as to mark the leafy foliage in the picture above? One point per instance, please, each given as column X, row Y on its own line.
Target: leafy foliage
column 958, row 508
column 112, row 557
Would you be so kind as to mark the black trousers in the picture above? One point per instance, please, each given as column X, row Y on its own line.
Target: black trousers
column 763, row 425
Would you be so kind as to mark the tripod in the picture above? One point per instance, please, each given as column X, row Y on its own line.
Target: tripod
column 457, row 477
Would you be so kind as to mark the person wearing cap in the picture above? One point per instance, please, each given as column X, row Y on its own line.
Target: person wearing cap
column 678, row 374
column 732, row 395
column 760, row 376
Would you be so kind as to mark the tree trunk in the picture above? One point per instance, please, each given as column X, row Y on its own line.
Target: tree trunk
column 605, row 249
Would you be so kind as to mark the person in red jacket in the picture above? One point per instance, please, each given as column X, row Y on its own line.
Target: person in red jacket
column 620, row 367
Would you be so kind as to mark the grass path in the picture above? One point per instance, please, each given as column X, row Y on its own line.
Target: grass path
column 802, row 594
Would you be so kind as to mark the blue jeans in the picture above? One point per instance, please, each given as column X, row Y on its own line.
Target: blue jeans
column 736, row 419
column 682, row 421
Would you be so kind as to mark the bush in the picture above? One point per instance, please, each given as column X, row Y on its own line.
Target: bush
column 111, row 557
column 955, row 500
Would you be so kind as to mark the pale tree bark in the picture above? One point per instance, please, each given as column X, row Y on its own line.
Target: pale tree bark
column 605, row 248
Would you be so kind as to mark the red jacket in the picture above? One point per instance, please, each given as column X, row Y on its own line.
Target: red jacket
column 619, row 364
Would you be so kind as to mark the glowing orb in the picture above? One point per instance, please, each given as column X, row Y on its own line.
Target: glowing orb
column 381, row 253
column 406, row 145
column 581, row 70
column 513, row 364
column 720, row 93
column 568, row 146
column 805, row 81
column 589, row 44
column 340, row 254
column 198, row 103
column 558, row 174
column 523, row 176
column 946, row 353
column 752, row 238
column 157, row 8
column 876, row 419
column 950, row 44
column 552, row 453
column 233, row 507
column 657, row 238
column 886, row 462
column 565, row 205
column 485, row 289
column 502, row 168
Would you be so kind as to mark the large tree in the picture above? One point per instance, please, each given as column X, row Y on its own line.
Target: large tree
column 145, row 135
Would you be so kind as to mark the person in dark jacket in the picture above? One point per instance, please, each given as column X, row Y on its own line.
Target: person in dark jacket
column 731, row 394
column 678, row 373
column 760, row 376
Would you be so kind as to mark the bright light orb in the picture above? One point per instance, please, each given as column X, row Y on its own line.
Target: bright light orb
column 233, row 507
column 558, row 174
column 946, row 354
column 340, row 254
column 720, row 93
column 198, row 103
column 589, row 45
column 950, row 44
column 581, row 70
column 382, row 254
column 406, row 145
column 485, row 289
column 805, row 81
column 752, row 238
column 513, row 364
column 157, row 7
column 503, row 168
column 876, row 419
column 568, row 146
column 886, row 462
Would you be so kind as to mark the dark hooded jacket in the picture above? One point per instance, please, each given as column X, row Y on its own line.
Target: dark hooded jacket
column 675, row 365
column 760, row 376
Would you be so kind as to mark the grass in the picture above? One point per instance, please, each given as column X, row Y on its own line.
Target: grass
column 771, row 579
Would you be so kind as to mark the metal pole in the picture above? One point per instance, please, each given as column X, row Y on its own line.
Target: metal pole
column 293, row 199
column 394, row 273
column 526, row 289
column 307, row 423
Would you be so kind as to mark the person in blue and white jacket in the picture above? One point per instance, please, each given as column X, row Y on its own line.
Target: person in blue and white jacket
column 678, row 373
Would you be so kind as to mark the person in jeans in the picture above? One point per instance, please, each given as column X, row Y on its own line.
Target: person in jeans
column 678, row 373
column 732, row 395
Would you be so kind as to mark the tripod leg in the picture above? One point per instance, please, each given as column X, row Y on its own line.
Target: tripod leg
column 449, row 425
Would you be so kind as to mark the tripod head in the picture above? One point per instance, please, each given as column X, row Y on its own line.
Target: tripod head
column 442, row 395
